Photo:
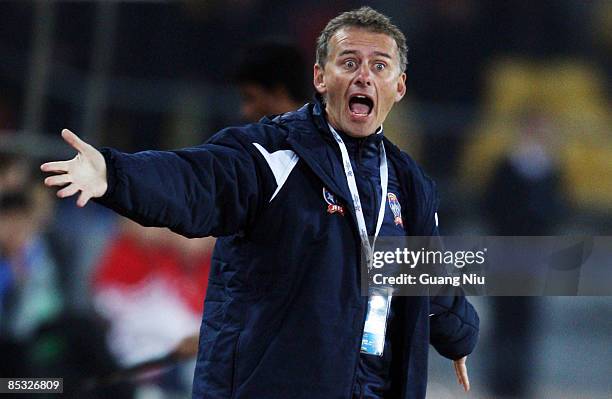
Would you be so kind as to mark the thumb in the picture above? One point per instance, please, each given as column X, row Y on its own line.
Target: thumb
column 74, row 140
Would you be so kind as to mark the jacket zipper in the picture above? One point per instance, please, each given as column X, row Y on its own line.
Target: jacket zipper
column 365, row 310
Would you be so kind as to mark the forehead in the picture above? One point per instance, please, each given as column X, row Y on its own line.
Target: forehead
column 362, row 41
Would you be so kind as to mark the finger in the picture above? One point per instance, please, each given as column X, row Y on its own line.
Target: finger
column 74, row 140
column 59, row 166
column 68, row 191
column 457, row 374
column 58, row 180
column 462, row 374
column 83, row 199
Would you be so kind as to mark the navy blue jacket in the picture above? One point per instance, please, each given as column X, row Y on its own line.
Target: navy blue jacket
column 284, row 313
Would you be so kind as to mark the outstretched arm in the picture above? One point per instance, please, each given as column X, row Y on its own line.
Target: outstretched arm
column 85, row 173
column 211, row 189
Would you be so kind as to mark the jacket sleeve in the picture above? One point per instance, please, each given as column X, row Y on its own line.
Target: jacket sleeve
column 453, row 321
column 212, row 189
column 453, row 324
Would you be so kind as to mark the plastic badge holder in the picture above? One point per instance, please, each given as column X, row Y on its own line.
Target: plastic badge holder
column 379, row 304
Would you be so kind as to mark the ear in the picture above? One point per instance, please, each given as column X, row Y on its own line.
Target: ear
column 401, row 87
column 319, row 79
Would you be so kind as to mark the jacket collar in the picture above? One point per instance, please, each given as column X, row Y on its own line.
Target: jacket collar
column 315, row 147
column 309, row 136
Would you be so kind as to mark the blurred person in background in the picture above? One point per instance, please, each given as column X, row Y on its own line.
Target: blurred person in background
column 149, row 284
column 39, row 336
column 274, row 293
column 272, row 79
column 524, row 197
column 29, row 284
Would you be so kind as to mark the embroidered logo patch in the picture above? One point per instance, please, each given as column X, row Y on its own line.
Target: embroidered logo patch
column 396, row 208
column 333, row 205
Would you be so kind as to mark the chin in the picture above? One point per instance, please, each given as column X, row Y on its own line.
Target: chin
column 358, row 131
column 362, row 129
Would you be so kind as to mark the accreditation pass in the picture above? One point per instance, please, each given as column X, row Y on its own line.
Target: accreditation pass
column 379, row 304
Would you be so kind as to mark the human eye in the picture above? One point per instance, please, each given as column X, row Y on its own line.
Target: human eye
column 379, row 66
column 350, row 64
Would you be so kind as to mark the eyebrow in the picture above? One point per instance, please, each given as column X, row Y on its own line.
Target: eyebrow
column 378, row 53
column 381, row 54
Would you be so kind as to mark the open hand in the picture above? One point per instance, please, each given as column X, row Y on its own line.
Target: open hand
column 85, row 173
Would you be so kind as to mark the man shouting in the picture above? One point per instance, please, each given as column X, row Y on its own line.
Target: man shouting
column 293, row 200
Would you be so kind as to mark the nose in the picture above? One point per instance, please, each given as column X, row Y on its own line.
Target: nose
column 364, row 77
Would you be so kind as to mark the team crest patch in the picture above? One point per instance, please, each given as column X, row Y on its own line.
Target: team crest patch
column 396, row 208
column 333, row 205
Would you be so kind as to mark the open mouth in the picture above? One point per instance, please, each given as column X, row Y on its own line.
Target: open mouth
column 361, row 105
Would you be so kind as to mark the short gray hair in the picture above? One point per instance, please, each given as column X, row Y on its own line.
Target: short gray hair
column 368, row 19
